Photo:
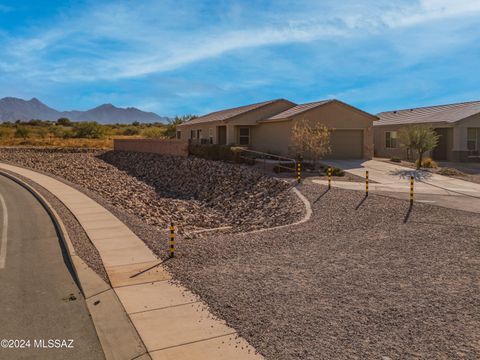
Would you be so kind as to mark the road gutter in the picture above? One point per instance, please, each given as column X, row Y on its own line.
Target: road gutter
column 3, row 243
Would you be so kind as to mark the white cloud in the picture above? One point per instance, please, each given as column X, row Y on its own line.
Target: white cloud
column 116, row 41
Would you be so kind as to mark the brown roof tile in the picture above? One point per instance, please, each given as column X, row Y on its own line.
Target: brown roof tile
column 230, row 113
column 449, row 113
column 297, row 110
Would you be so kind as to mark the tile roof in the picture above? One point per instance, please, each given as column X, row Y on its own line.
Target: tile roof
column 297, row 110
column 229, row 113
column 449, row 113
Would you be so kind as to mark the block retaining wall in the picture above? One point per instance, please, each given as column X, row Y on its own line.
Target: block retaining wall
column 156, row 146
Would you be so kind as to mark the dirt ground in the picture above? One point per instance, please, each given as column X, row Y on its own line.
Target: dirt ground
column 364, row 279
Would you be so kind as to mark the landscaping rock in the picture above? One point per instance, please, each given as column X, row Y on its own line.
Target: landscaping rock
column 193, row 193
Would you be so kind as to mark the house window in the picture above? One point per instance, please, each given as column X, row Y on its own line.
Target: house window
column 391, row 139
column 210, row 135
column 472, row 139
column 199, row 134
column 244, row 136
column 192, row 134
column 179, row 134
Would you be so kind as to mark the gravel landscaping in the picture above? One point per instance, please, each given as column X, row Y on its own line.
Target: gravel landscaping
column 363, row 279
column 355, row 282
column 194, row 193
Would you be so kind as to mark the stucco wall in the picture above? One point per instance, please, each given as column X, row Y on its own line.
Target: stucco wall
column 382, row 151
column 249, row 118
column 156, row 146
column 276, row 136
column 272, row 137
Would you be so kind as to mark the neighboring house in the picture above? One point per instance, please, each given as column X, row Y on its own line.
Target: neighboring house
column 457, row 124
column 267, row 127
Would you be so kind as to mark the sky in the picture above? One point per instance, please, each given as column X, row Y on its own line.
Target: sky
column 193, row 57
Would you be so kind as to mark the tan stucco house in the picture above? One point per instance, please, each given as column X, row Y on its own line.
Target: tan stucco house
column 457, row 124
column 267, row 127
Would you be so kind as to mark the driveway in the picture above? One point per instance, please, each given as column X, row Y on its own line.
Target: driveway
column 394, row 180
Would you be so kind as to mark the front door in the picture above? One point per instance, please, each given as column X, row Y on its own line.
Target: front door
column 222, row 135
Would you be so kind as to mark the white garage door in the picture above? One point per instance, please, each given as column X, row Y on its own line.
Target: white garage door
column 346, row 144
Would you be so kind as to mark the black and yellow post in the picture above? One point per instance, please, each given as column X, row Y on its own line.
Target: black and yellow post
column 411, row 190
column 299, row 171
column 329, row 173
column 172, row 240
column 366, row 183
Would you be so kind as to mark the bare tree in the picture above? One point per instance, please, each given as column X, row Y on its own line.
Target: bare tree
column 418, row 138
column 310, row 141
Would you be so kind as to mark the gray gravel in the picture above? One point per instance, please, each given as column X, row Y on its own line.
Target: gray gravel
column 356, row 281
column 193, row 193
column 349, row 284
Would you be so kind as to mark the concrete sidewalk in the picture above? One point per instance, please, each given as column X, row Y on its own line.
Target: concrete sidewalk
column 171, row 321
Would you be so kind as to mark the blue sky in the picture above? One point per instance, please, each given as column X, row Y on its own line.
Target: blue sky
column 180, row 57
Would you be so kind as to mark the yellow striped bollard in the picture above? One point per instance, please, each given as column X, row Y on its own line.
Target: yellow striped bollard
column 172, row 240
column 411, row 190
column 366, row 183
column 299, row 171
column 329, row 173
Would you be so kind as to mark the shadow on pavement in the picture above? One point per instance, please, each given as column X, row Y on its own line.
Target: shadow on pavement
column 418, row 175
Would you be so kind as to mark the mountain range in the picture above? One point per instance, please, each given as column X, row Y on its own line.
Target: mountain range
column 12, row 109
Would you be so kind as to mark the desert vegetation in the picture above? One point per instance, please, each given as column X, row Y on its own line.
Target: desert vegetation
column 67, row 133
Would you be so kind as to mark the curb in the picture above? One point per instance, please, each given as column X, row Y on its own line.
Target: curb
column 118, row 337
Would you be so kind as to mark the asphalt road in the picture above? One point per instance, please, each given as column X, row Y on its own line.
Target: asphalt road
column 39, row 298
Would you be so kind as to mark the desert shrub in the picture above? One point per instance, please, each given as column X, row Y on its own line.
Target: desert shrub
column 64, row 121
column 89, row 130
column 335, row 171
column 42, row 132
column 131, row 130
column 57, row 131
column 450, row 172
column 68, row 133
column 212, row 152
column 22, row 132
column 153, row 133
column 5, row 132
column 427, row 163
column 395, row 159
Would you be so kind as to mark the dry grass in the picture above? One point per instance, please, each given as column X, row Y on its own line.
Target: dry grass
column 106, row 143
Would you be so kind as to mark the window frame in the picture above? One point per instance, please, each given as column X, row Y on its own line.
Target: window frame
column 240, row 136
column 389, row 138
column 475, row 140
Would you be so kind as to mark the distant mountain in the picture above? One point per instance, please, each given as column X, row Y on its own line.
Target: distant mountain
column 12, row 109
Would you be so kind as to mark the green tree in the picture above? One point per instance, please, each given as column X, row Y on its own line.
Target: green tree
column 171, row 130
column 418, row 138
column 131, row 130
column 64, row 121
column 22, row 132
column 89, row 130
